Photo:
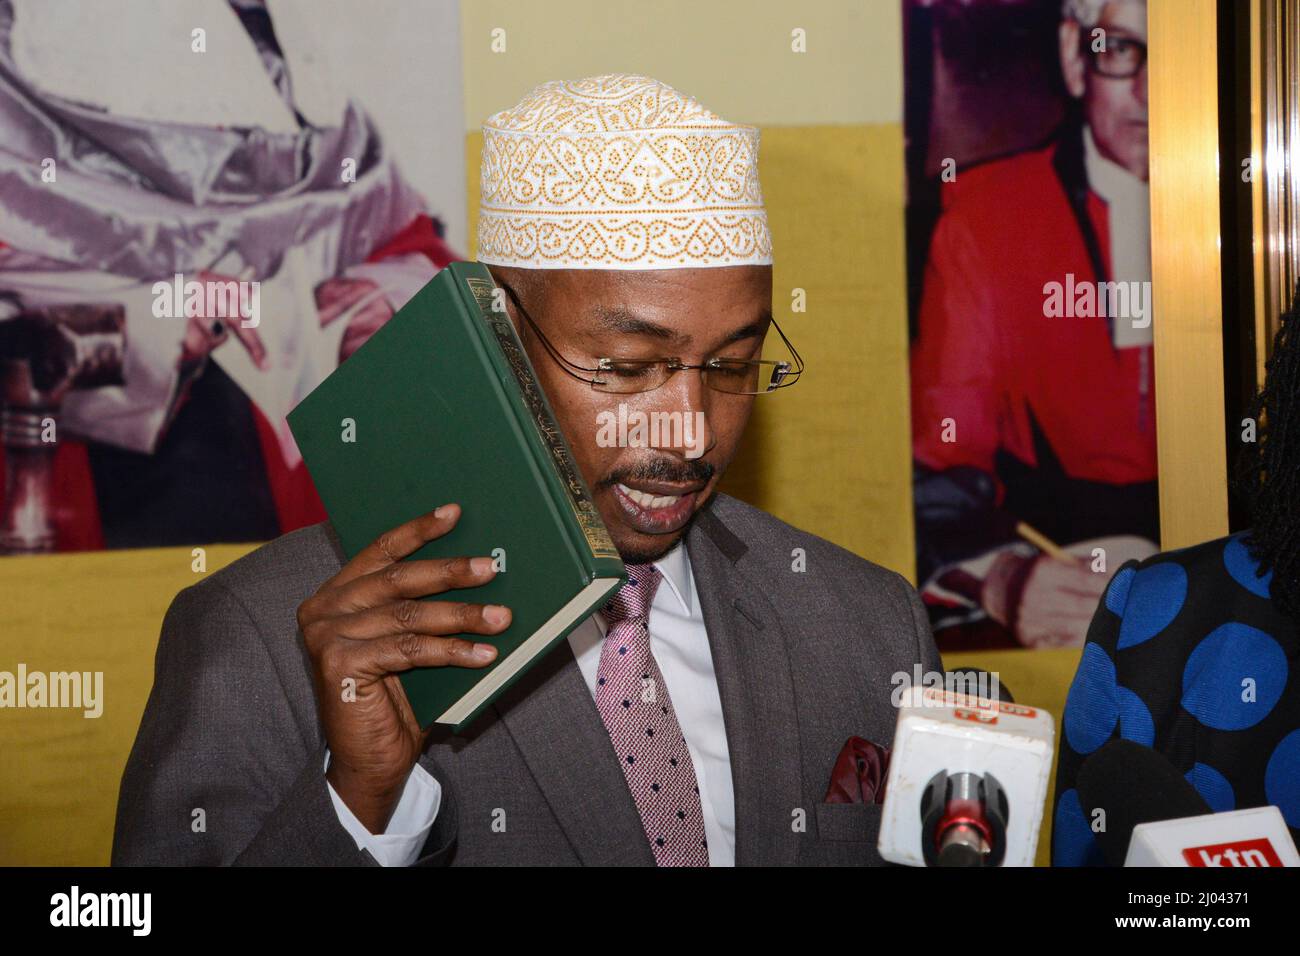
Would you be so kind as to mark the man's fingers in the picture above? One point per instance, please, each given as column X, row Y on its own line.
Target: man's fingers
column 1057, row 626
column 397, row 653
column 433, row 618
column 1054, row 633
column 336, row 296
column 1082, row 579
column 1062, row 609
column 251, row 341
column 391, row 546
column 369, row 662
column 1062, row 578
column 412, row 579
column 362, row 326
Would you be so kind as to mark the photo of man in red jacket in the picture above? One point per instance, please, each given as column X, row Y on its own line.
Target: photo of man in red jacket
column 1033, row 404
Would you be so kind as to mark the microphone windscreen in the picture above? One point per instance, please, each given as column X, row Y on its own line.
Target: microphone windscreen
column 1132, row 784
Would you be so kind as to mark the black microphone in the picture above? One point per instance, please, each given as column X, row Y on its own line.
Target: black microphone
column 1133, row 785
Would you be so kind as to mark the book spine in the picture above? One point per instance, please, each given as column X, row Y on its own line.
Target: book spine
column 587, row 531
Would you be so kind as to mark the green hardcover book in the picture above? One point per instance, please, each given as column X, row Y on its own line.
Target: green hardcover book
column 442, row 405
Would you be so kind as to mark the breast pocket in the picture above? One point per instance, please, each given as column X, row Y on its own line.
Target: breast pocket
column 849, row 822
column 846, row 836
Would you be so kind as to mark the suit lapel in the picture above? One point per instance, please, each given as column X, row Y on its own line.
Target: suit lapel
column 752, row 667
column 553, row 721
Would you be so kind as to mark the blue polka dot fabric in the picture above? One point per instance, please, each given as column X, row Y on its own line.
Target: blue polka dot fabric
column 1188, row 655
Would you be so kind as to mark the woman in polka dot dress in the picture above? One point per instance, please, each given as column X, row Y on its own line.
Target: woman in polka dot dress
column 1196, row 653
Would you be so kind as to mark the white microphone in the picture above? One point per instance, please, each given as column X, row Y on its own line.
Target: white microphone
column 967, row 781
column 1152, row 816
column 1239, row 838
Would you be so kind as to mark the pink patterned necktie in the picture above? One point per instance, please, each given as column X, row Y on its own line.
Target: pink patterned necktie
column 633, row 701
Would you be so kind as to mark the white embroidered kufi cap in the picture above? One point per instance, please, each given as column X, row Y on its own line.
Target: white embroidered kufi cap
column 619, row 172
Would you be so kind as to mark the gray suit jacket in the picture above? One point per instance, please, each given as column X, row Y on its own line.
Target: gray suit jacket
column 804, row 660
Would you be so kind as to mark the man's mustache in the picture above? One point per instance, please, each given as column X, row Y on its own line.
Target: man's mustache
column 692, row 471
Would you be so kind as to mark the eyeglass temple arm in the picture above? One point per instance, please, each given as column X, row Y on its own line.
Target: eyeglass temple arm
column 554, row 352
column 783, row 368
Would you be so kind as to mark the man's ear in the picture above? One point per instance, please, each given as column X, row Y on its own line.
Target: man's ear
column 1073, row 67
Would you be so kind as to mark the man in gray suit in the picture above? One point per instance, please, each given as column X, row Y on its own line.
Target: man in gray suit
column 697, row 718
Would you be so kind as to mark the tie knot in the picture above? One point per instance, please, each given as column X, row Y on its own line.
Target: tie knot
column 633, row 599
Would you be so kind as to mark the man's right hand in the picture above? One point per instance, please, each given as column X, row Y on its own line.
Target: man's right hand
column 204, row 333
column 366, row 625
column 1046, row 602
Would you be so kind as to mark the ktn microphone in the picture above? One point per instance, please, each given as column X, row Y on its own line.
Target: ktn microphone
column 1145, row 813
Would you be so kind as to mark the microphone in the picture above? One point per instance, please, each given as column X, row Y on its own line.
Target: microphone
column 967, row 777
column 977, row 682
column 1155, row 817
column 964, row 815
column 1132, row 785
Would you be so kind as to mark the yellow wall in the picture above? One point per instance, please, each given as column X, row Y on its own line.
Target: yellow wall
column 59, row 771
column 832, row 455
column 733, row 55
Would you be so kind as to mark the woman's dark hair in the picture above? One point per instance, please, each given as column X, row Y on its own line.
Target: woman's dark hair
column 1269, row 477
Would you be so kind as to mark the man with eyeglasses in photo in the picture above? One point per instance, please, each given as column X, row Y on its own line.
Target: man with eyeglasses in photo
column 626, row 224
column 1033, row 394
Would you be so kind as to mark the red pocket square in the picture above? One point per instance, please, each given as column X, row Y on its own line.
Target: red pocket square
column 859, row 773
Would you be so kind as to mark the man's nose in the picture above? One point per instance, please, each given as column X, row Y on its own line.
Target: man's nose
column 1140, row 85
column 688, row 399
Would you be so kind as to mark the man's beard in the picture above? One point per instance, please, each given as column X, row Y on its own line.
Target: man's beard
column 650, row 557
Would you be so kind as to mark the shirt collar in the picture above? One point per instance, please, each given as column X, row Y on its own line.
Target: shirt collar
column 675, row 566
column 1109, row 180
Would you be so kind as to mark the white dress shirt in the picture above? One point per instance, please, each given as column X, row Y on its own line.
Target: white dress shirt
column 1128, row 216
column 680, row 646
